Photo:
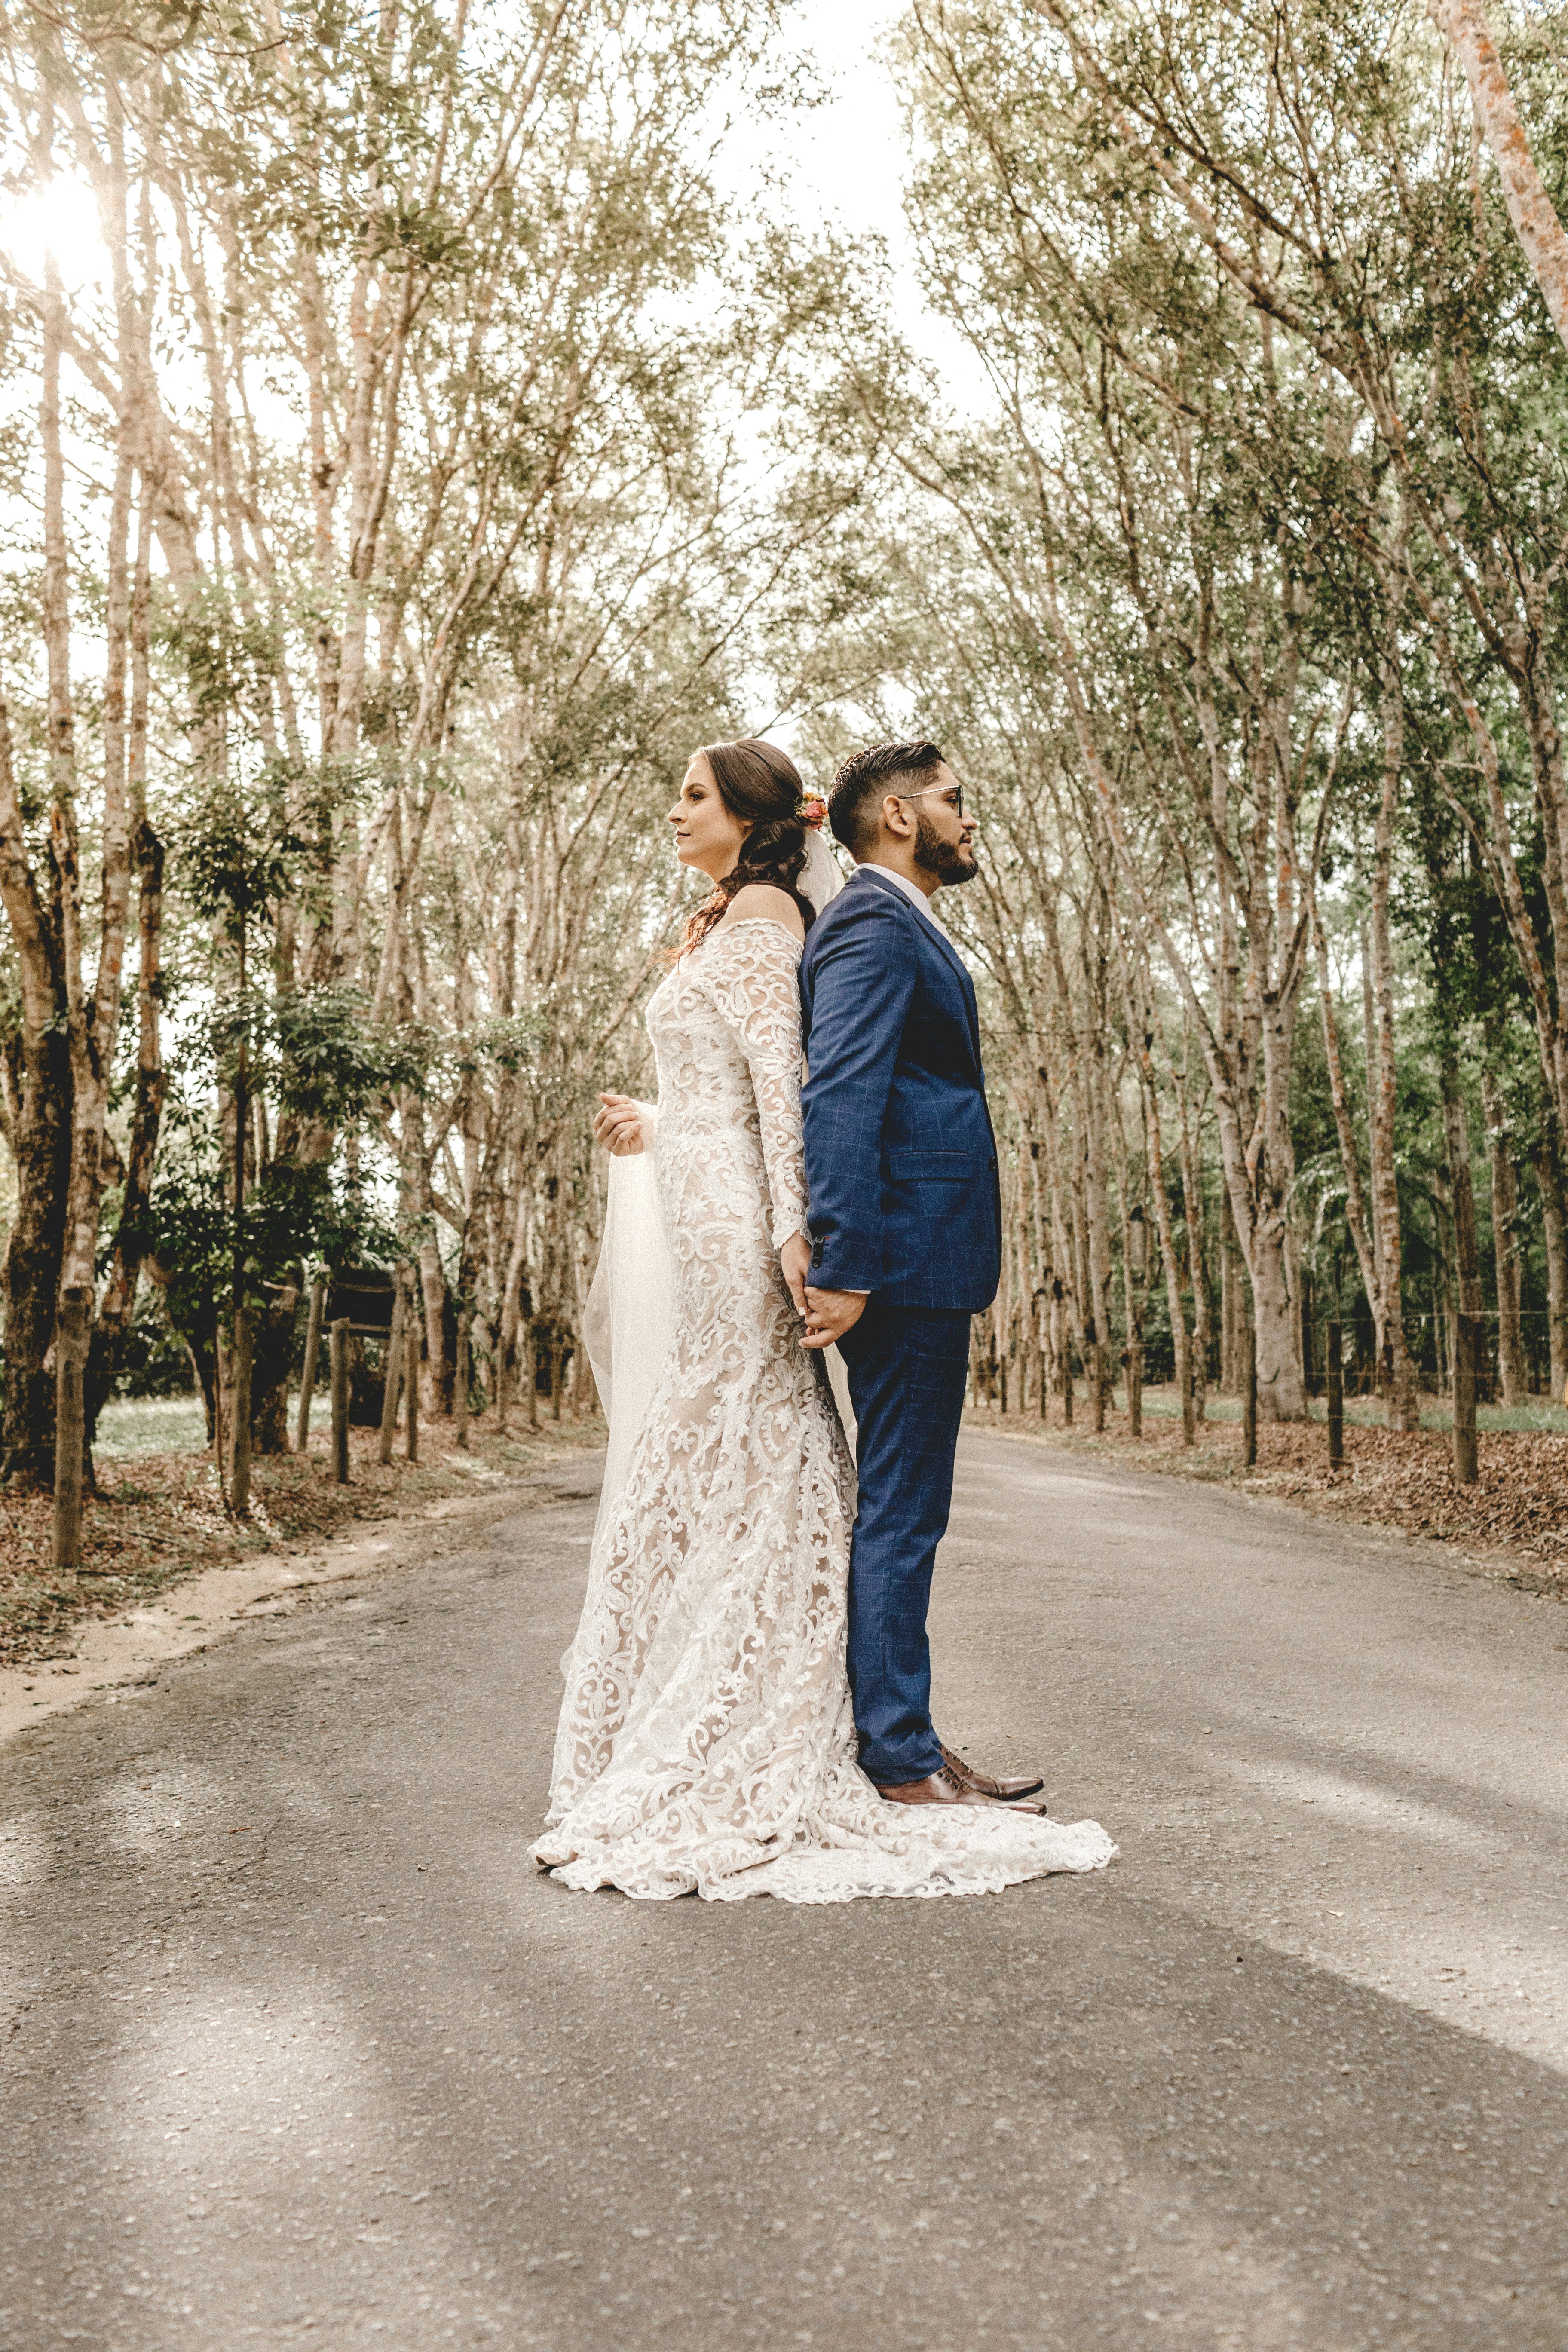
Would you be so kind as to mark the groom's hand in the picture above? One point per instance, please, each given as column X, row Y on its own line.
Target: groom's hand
column 830, row 1313
column 794, row 1265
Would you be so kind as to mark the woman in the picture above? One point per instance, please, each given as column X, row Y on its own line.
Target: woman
column 706, row 1741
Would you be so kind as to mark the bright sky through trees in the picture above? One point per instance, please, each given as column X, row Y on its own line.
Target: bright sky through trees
column 847, row 164
column 415, row 461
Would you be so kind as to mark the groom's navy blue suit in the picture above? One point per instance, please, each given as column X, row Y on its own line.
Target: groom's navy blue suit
column 900, row 1167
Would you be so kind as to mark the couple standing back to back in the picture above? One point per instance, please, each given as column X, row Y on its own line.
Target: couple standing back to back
column 748, row 1697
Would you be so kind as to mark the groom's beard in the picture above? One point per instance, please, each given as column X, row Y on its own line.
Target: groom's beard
column 945, row 859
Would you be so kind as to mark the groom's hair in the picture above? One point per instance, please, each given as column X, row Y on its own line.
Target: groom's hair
column 865, row 779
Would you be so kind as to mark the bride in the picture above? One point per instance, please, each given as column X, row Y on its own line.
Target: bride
column 706, row 1741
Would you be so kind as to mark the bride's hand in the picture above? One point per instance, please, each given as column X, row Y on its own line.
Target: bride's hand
column 618, row 1126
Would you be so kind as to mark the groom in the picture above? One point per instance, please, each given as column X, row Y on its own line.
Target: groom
column 905, row 1223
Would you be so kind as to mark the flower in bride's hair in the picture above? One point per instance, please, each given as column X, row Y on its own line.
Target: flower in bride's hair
column 814, row 812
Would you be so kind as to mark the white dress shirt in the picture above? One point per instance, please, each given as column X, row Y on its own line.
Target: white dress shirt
column 911, row 890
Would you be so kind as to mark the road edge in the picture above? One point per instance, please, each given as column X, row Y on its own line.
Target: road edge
column 1501, row 1566
column 201, row 1611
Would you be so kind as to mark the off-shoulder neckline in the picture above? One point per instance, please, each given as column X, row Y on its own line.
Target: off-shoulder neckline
column 749, row 922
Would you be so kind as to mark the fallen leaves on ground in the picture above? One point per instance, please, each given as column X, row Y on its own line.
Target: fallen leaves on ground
column 1515, row 1516
column 159, row 1516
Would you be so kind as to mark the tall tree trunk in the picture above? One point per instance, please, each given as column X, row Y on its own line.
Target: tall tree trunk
column 1232, row 1279
column 1134, row 1269
column 1067, row 1227
column 272, row 1330
column 38, row 1090
column 1168, row 1258
column 1082, row 1289
column 84, row 1175
column 1397, row 1372
column 1461, row 1191
column 39, row 1056
column 1554, row 1226
column 432, row 1279
column 1463, row 24
column 1505, row 1245
column 38, row 1082
column 1136, row 1261
column 1197, row 1269
column 1095, row 1172
column 1275, row 1320
column 92, row 1011
column 118, row 1308
column 432, row 1295
column 1402, row 1404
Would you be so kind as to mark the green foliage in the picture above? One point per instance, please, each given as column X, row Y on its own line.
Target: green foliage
column 297, row 1215
column 236, row 859
column 153, row 1359
column 324, row 1061
column 225, row 659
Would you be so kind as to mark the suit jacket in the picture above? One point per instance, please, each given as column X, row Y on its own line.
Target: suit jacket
column 901, row 1160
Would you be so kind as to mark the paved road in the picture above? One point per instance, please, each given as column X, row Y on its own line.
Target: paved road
column 304, row 2052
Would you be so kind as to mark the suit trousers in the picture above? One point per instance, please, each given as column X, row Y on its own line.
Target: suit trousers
column 908, row 1366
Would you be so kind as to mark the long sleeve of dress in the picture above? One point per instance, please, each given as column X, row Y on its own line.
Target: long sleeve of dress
column 707, row 1738
column 752, row 971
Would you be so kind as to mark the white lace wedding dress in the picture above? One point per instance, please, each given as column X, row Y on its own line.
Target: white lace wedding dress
column 706, row 1741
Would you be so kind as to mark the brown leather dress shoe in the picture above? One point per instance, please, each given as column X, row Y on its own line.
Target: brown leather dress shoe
column 987, row 1783
column 943, row 1788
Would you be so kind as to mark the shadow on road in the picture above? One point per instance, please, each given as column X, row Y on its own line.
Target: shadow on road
column 303, row 2050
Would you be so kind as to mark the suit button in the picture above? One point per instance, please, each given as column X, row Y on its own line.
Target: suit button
column 993, row 1159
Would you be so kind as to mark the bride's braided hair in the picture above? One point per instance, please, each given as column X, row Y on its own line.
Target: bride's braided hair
column 760, row 785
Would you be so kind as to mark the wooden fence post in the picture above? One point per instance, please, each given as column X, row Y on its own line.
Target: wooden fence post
column 391, row 1369
column 1249, row 1406
column 307, row 1378
column 71, row 1329
column 1467, row 1365
column 1189, row 1418
column 340, row 1361
column 411, row 1386
column 1336, row 1399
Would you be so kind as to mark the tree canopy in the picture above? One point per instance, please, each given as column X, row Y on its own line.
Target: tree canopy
column 410, row 456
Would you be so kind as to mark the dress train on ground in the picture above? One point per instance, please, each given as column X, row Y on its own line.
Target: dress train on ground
column 706, row 1741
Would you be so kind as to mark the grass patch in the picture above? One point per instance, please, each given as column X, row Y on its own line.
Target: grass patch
column 129, row 1427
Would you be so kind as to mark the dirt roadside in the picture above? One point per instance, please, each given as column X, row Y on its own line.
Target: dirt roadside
column 194, row 1610
column 1511, row 1525
column 189, row 1577
column 167, row 1569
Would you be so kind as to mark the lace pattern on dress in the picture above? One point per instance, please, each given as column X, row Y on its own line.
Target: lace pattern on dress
column 706, row 1740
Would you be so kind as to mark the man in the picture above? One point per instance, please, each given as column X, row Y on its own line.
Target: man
column 905, row 1225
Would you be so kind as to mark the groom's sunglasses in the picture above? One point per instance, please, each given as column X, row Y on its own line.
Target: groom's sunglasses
column 952, row 793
